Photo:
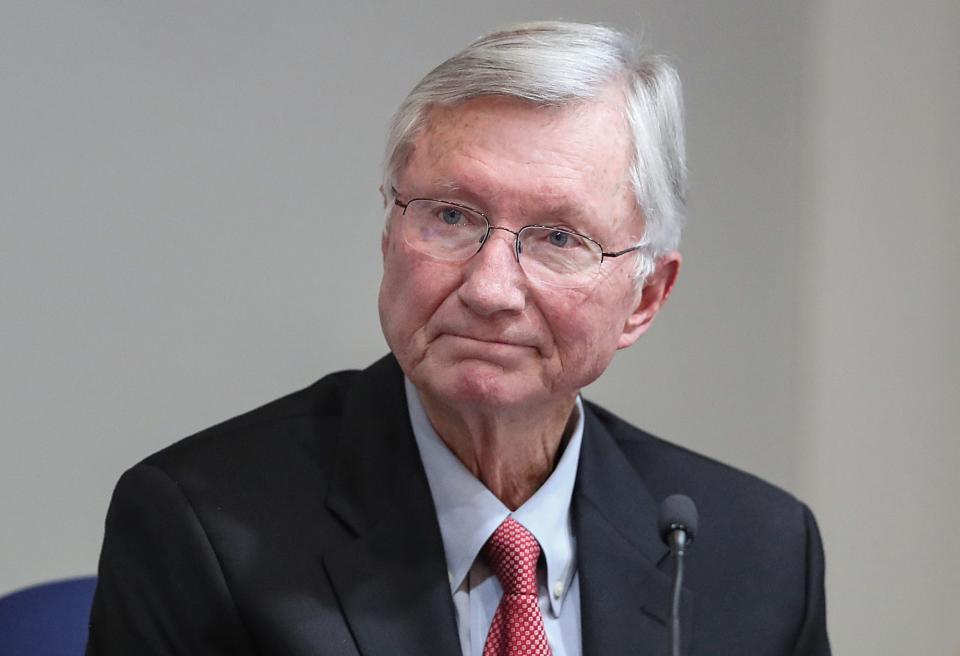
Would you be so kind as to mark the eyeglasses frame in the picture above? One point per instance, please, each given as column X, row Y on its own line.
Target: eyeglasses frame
column 516, row 233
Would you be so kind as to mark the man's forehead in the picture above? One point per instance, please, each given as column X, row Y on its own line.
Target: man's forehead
column 561, row 161
column 528, row 132
column 562, row 205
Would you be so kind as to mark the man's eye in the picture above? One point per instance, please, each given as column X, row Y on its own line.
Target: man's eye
column 561, row 239
column 451, row 215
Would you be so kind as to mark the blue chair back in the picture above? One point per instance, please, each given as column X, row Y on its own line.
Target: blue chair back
column 50, row 619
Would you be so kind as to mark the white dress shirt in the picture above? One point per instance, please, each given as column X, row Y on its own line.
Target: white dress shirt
column 468, row 513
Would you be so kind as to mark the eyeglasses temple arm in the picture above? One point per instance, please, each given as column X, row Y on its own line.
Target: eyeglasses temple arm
column 623, row 252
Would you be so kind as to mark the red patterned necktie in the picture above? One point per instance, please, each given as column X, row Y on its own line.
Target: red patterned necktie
column 517, row 627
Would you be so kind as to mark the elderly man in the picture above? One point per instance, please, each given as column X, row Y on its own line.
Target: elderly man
column 458, row 496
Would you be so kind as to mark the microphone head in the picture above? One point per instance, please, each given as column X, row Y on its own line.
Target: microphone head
column 677, row 512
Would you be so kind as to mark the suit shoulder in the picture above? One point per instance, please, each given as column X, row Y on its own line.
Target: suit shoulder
column 298, row 420
column 669, row 468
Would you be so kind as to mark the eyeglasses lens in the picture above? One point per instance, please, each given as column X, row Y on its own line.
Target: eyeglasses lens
column 548, row 255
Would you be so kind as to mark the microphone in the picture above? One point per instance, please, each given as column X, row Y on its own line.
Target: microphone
column 678, row 527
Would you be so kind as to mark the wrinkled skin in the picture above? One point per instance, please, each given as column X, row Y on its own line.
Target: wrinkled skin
column 485, row 346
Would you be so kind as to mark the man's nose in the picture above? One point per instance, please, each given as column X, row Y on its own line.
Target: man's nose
column 492, row 279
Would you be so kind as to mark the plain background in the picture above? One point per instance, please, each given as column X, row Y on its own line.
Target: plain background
column 189, row 226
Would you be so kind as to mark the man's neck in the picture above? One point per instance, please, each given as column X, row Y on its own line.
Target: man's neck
column 511, row 452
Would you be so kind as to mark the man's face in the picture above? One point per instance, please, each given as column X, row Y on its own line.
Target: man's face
column 479, row 332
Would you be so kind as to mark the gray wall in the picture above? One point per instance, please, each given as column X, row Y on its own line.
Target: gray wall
column 189, row 223
column 879, row 359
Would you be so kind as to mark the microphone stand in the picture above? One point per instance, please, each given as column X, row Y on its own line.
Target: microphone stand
column 678, row 541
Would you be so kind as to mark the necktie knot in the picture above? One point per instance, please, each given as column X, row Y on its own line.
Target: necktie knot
column 512, row 552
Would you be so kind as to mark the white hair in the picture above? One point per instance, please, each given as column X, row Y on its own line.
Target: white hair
column 557, row 64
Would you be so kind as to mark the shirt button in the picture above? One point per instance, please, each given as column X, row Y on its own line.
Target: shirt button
column 558, row 589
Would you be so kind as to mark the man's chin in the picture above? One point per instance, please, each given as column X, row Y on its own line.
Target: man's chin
column 477, row 382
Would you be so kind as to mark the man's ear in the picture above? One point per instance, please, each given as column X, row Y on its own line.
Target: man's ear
column 656, row 290
column 384, row 235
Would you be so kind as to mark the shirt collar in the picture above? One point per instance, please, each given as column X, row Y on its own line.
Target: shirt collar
column 468, row 513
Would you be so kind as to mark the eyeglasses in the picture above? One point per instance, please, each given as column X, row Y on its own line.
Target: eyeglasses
column 547, row 254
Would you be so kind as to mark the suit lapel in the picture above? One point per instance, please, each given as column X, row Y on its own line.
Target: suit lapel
column 623, row 566
column 391, row 580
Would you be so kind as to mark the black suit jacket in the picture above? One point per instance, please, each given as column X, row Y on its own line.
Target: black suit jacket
column 306, row 527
